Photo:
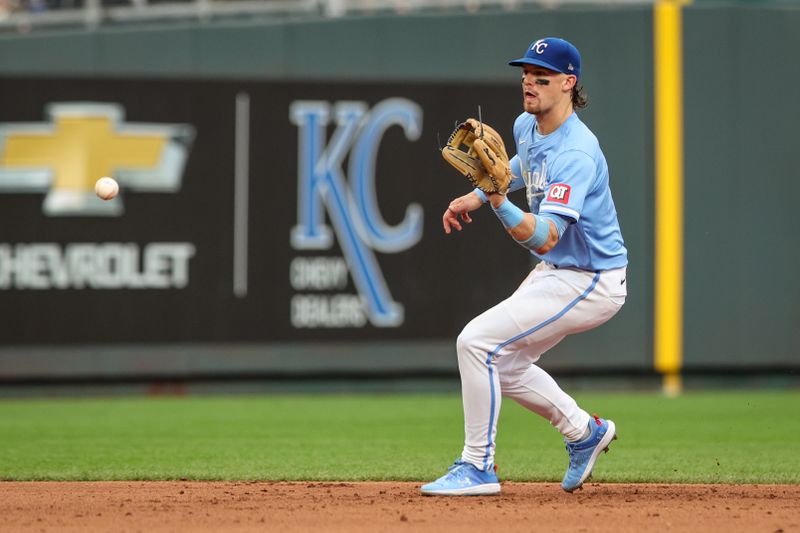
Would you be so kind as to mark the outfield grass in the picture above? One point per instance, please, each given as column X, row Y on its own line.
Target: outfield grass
column 742, row 437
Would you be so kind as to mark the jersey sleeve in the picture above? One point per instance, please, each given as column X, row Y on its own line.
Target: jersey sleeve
column 517, row 127
column 569, row 181
column 517, row 182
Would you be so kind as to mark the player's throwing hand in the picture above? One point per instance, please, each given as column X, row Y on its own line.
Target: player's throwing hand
column 460, row 207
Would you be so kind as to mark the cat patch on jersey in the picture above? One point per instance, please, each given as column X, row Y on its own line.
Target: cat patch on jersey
column 559, row 192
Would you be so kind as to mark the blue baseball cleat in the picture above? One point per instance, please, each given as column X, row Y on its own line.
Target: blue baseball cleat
column 584, row 453
column 464, row 479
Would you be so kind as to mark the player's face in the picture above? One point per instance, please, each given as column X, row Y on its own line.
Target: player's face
column 543, row 88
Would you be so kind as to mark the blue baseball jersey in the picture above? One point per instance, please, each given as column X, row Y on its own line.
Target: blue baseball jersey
column 565, row 173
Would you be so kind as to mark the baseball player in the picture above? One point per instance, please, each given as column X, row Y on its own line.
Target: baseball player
column 578, row 284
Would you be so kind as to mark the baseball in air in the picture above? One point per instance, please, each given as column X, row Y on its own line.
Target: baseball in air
column 106, row 188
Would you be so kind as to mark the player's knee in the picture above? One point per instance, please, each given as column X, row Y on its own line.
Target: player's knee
column 468, row 341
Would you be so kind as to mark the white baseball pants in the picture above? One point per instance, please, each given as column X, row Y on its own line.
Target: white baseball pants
column 498, row 349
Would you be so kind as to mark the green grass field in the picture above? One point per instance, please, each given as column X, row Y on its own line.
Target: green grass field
column 741, row 437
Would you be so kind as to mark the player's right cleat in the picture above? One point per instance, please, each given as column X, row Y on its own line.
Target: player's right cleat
column 584, row 453
column 464, row 479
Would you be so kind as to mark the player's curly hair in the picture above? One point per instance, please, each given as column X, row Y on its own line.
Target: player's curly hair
column 579, row 98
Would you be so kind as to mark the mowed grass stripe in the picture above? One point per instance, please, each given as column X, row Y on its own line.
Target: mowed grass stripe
column 728, row 437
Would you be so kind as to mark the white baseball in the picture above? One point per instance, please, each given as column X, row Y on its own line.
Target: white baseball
column 106, row 188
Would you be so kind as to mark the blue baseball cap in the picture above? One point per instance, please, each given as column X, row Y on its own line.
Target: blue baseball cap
column 552, row 53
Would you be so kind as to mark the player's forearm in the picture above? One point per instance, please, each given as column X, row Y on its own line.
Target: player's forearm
column 535, row 233
column 535, row 236
column 523, row 230
column 528, row 230
column 479, row 195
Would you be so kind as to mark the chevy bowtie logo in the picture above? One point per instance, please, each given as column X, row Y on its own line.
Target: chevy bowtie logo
column 82, row 142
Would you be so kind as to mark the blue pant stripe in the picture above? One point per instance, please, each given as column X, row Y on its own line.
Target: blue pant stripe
column 491, row 412
column 502, row 345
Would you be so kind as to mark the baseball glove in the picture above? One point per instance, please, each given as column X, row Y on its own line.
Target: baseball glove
column 477, row 151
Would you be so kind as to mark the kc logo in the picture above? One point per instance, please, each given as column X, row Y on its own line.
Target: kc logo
column 559, row 193
column 539, row 46
column 354, row 212
column 82, row 142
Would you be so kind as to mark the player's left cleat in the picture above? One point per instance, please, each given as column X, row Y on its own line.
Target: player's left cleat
column 584, row 453
column 464, row 479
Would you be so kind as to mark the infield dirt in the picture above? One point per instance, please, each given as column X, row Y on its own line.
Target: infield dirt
column 392, row 506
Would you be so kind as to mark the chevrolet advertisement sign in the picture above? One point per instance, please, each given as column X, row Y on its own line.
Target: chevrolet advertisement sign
column 62, row 159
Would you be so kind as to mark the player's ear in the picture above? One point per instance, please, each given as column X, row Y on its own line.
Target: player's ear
column 569, row 82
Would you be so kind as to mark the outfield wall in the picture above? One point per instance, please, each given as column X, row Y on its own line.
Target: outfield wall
column 247, row 264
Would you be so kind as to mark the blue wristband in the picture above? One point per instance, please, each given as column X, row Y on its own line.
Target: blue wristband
column 481, row 194
column 541, row 232
column 509, row 214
